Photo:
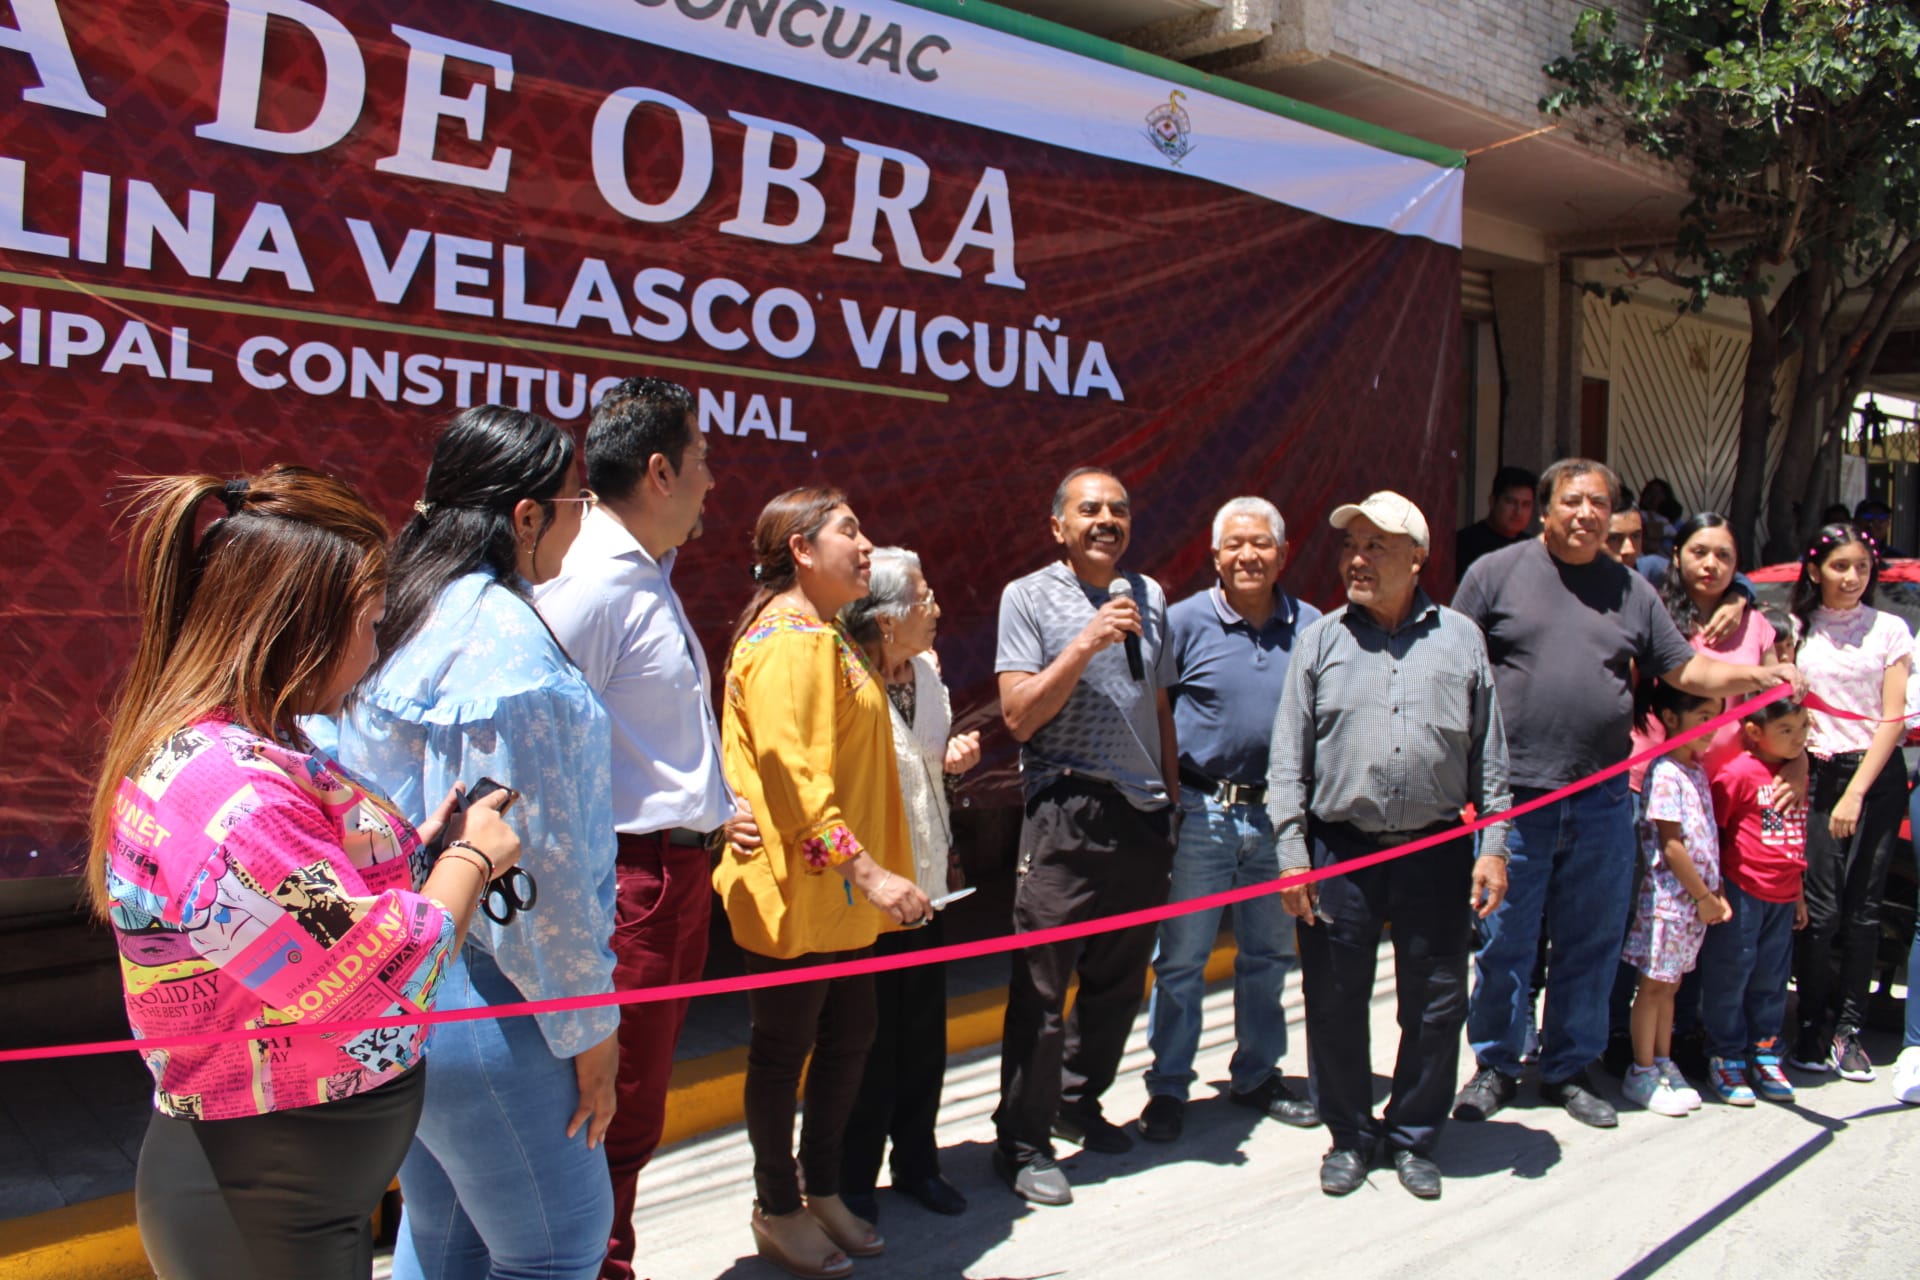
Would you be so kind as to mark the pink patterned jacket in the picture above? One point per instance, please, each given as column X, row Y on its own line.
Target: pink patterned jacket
column 255, row 886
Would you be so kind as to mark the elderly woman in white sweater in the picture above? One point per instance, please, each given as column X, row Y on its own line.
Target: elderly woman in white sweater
column 900, row 1092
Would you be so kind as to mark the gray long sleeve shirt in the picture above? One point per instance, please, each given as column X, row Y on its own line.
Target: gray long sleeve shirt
column 1387, row 731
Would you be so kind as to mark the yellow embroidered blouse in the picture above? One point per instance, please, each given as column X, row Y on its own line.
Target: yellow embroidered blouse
column 807, row 740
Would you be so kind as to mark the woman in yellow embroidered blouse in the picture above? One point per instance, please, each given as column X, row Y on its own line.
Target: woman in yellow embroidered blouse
column 807, row 742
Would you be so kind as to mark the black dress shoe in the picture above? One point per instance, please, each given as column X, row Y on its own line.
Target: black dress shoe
column 1343, row 1171
column 1418, row 1174
column 934, row 1193
column 1087, row 1129
column 1486, row 1093
column 1163, row 1118
column 864, row 1204
column 1037, row 1182
column 1581, row 1102
column 1274, row 1097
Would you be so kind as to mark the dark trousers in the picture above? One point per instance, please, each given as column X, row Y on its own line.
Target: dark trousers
column 661, row 909
column 833, row 1020
column 1424, row 897
column 900, row 1091
column 1845, row 880
column 283, row 1196
column 1085, row 852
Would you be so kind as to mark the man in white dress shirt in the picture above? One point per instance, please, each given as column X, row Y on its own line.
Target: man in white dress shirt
column 614, row 608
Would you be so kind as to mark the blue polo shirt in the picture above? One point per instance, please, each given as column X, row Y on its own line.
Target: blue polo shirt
column 1229, row 681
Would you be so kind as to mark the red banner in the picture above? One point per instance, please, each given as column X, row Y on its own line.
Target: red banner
column 232, row 235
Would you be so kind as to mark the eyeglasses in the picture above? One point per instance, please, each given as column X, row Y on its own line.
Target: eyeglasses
column 924, row 602
column 587, row 496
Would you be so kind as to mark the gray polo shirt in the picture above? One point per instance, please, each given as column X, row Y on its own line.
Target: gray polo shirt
column 1230, row 678
column 1387, row 731
column 1109, row 728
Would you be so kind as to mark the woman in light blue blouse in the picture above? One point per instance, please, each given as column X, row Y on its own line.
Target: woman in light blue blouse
column 506, row 1174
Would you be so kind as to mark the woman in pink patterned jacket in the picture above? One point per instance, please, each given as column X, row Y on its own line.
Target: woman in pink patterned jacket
column 252, row 885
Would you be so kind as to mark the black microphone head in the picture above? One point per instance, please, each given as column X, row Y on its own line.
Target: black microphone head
column 1120, row 587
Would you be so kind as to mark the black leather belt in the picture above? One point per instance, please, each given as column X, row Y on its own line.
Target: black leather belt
column 1225, row 790
column 648, row 848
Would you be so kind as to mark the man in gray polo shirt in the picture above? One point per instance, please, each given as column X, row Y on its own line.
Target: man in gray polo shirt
column 1083, row 673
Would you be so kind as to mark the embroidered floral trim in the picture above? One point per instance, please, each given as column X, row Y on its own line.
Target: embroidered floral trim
column 830, row 848
column 774, row 621
column 853, row 663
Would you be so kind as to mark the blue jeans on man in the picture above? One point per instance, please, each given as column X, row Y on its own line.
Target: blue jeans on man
column 1220, row 848
column 1571, row 876
column 1743, row 969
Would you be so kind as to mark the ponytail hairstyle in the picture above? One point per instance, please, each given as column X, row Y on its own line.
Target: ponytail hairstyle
column 1806, row 588
column 1673, row 591
column 489, row 459
column 802, row 511
column 249, row 618
column 1654, row 695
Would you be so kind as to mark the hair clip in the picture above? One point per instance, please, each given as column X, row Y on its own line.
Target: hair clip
column 759, row 573
column 234, row 495
column 423, row 507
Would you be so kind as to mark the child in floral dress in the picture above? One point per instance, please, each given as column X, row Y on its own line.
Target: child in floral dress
column 1679, row 897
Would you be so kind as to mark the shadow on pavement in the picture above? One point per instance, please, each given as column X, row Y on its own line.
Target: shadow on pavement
column 1215, row 1132
column 1496, row 1146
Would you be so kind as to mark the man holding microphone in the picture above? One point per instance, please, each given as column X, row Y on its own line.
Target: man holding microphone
column 1083, row 668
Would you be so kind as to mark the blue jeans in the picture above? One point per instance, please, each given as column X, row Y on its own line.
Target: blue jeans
column 1743, row 970
column 1911, row 1039
column 493, row 1186
column 1571, row 876
column 1220, row 849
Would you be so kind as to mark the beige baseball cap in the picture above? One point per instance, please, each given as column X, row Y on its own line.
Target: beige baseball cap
column 1389, row 512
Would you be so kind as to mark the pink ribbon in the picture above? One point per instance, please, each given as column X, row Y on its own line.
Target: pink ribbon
column 932, row 955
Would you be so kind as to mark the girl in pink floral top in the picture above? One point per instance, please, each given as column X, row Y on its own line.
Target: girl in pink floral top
column 1679, row 897
column 1856, row 659
column 252, row 886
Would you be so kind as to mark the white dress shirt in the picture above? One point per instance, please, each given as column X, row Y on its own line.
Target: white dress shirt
column 614, row 608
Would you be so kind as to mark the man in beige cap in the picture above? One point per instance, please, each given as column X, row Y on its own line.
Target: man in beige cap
column 1388, row 727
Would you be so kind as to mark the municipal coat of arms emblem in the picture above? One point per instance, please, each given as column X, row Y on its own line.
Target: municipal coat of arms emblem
column 1170, row 129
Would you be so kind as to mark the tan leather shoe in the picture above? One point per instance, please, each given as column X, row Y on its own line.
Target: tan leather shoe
column 847, row 1229
column 797, row 1244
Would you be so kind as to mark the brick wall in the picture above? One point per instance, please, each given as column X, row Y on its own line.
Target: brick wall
column 1486, row 53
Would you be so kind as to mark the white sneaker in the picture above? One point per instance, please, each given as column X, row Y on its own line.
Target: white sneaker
column 1677, row 1081
column 1646, row 1086
column 1906, row 1075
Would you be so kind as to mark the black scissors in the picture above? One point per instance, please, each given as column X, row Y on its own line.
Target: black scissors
column 508, row 896
column 514, row 891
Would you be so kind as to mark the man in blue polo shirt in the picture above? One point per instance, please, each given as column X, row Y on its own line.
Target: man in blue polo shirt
column 1230, row 646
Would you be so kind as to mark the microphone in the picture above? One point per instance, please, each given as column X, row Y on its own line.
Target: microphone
column 1121, row 589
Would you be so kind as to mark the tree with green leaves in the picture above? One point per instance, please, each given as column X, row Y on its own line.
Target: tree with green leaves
column 1796, row 124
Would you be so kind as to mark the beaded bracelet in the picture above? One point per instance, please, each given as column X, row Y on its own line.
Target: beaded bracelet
column 476, row 849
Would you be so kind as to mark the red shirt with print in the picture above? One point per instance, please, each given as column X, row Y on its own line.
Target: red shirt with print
column 1763, row 841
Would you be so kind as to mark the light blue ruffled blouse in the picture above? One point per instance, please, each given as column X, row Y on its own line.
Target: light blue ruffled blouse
column 483, row 690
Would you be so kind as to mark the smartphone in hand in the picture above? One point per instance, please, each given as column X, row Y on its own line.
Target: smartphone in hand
column 486, row 787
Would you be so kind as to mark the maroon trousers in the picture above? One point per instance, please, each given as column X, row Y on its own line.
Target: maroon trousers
column 662, row 905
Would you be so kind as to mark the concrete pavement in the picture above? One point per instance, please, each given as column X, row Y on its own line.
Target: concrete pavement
column 1829, row 1187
